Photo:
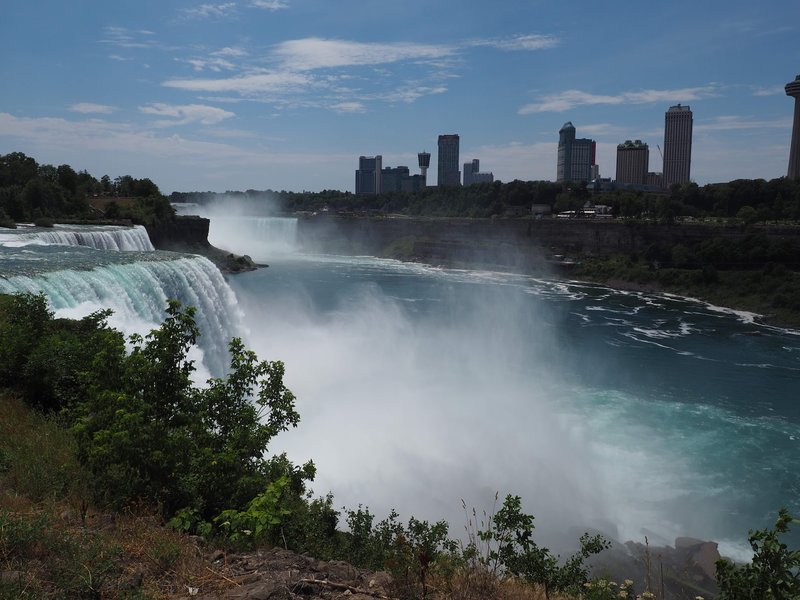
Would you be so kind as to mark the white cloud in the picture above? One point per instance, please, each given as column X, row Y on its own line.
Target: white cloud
column 520, row 42
column 172, row 160
column 185, row 114
column 212, row 64
column 727, row 123
column 349, row 107
column 777, row 90
column 230, row 52
column 412, row 93
column 248, row 85
column 91, row 107
column 125, row 38
column 571, row 98
column 205, row 11
column 317, row 53
column 269, row 4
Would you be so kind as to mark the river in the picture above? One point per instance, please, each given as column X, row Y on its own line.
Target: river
column 421, row 387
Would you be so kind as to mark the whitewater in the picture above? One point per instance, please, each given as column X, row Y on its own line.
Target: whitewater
column 418, row 387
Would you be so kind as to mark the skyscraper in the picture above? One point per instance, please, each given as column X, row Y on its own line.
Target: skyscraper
column 448, row 160
column 793, row 89
column 576, row 157
column 633, row 159
column 677, row 145
column 368, row 174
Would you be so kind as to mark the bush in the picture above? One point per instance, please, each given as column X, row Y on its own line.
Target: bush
column 149, row 434
column 773, row 574
column 510, row 547
column 44, row 222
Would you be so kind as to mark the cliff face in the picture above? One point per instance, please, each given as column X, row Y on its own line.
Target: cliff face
column 183, row 234
column 511, row 242
column 190, row 234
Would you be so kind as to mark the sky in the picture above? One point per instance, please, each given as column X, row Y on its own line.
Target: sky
column 287, row 94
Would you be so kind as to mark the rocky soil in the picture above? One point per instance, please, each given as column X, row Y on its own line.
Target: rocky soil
column 279, row 574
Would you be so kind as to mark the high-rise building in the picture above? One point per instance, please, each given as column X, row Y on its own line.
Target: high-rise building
column 400, row 179
column 576, row 157
column 793, row 89
column 677, row 145
column 633, row 159
column 392, row 178
column 472, row 173
column 448, row 160
column 368, row 174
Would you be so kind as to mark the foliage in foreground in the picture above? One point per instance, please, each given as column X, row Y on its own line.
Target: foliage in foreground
column 504, row 543
column 773, row 574
column 144, row 432
column 128, row 427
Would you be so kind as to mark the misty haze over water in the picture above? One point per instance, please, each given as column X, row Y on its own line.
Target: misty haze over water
column 419, row 386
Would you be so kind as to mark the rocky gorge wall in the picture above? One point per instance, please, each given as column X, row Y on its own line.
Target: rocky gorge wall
column 190, row 234
column 182, row 234
column 520, row 243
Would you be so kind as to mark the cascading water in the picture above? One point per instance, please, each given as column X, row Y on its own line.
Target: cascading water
column 135, row 285
column 127, row 239
column 260, row 237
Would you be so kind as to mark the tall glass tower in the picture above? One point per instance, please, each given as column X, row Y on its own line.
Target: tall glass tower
column 793, row 89
column 448, row 160
column 677, row 145
column 576, row 156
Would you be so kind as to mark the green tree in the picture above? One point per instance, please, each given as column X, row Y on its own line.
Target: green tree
column 67, row 178
column 17, row 169
column 517, row 552
column 147, row 433
column 747, row 215
column 773, row 574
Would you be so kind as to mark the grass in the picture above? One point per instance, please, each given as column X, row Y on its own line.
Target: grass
column 54, row 544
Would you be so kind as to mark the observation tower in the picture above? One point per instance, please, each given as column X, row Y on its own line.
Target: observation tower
column 793, row 90
column 424, row 159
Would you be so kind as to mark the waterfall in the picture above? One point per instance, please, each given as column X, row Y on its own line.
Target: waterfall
column 138, row 292
column 259, row 237
column 101, row 237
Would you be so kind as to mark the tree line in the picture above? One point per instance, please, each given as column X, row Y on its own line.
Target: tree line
column 31, row 191
column 40, row 193
column 745, row 200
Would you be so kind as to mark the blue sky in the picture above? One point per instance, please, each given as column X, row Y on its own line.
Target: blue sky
column 286, row 94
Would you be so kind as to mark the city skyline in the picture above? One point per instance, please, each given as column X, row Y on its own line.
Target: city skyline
column 284, row 94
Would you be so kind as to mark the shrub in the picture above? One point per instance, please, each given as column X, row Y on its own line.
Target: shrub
column 773, row 574
column 508, row 536
column 44, row 222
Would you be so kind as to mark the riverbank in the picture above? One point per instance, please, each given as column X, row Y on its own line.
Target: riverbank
column 746, row 268
column 771, row 294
